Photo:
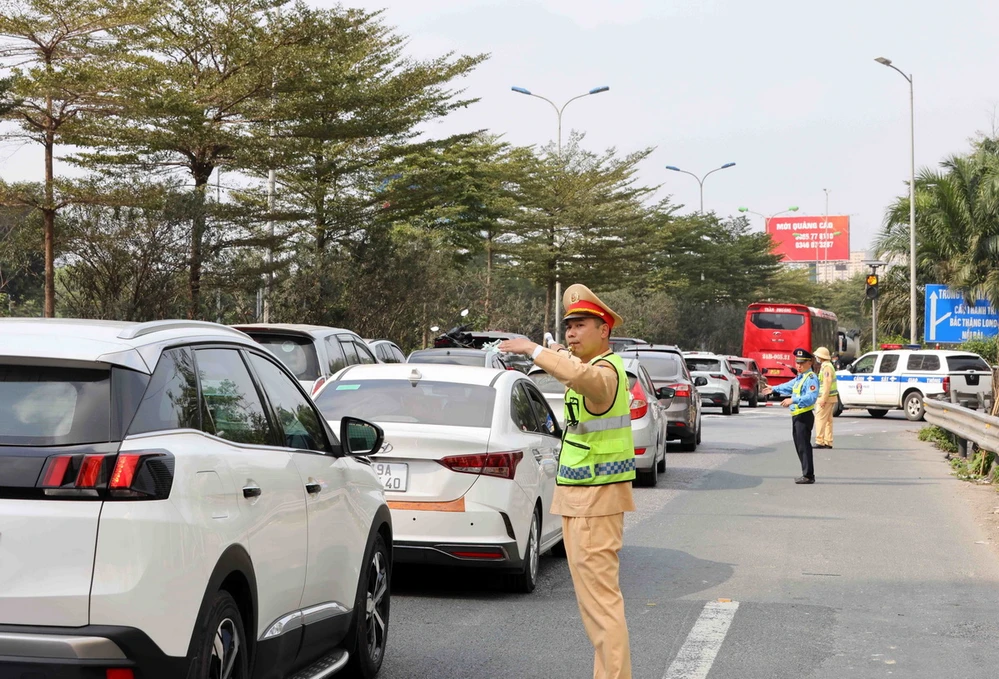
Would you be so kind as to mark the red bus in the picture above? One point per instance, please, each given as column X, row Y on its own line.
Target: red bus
column 773, row 331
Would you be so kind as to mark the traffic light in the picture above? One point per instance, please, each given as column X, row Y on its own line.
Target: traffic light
column 872, row 287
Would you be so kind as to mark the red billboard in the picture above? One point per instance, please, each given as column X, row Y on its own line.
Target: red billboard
column 811, row 239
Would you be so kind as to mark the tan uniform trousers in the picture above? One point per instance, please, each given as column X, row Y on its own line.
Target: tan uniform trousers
column 823, row 422
column 592, row 544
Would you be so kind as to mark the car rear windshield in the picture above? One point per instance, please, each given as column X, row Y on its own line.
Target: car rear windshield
column 969, row 362
column 547, row 384
column 444, row 358
column 703, row 364
column 661, row 366
column 741, row 365
column 298, row 353
column 771, row 321
column 442, row 403
column 49, row 406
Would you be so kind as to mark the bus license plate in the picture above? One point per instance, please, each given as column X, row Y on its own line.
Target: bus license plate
column 773, row 371
column 394, row 476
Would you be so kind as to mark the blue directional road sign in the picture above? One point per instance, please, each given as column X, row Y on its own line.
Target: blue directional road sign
column 949, row 319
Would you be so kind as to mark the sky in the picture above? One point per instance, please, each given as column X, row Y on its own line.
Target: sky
column 787, row 90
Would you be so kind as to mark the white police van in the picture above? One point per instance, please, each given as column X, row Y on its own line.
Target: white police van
column 897, row 378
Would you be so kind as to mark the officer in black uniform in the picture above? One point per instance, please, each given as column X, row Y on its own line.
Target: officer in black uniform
column 800, row 396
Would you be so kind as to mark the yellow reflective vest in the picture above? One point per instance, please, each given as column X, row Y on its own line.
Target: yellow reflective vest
column 598, row 449
column 827, row 371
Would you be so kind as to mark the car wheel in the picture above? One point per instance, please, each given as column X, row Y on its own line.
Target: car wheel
column 735, row 408
column 877, row 412
column 914, row 409
column 527, row 579
column 222, row 649
column 726, row 410
column 754, row 400
column 661, row 465
column 371, row 614
column 650, row 478
column 698, row 439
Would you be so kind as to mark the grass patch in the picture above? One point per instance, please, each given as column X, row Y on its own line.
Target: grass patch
column 939, row 437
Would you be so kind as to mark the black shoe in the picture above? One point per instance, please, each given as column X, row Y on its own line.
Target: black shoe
column 805, row 479
column 821, row 446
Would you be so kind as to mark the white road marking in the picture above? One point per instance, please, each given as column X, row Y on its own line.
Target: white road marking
column 698, row 652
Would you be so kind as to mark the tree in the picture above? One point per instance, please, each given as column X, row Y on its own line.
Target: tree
column 703, row 259
column 957, row 232
column 582, row 219
column 190, row 84
column 345, row 107
column 52, row 48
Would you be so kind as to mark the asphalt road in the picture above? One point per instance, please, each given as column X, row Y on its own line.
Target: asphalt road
column 874, row 571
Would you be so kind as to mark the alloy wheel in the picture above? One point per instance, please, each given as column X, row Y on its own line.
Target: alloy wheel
column 376, row 606
column 225, row 651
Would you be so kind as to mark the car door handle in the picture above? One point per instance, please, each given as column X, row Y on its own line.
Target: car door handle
column 313, row 487
column 251, row 491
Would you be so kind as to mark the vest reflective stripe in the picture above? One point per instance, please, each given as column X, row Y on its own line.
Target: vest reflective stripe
column 602, row 424
column 834, row 387
column 598, row 449
column 796, row 390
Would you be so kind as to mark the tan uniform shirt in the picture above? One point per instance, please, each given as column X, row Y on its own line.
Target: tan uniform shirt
column 598, row 386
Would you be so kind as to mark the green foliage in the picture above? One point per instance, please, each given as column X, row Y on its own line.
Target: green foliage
column 957, row 232
column 986, row 348
column 939, row 437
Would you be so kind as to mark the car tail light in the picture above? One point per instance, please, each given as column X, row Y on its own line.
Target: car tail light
column 718, row 376
column 639, row 451
column 639, row 404
column 318, row 385
column 946, row 384
column 145, row 475
column 500, row 465
column 483, row 553
column 681, row 390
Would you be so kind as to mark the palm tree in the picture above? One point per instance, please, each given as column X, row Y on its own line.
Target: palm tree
column 957, row 231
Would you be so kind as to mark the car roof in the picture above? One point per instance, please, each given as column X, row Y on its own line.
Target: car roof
column 936, row 352
column 291, row 329
column 651, row 348
column 463, row 374
column 132, row 345
column 455, row 351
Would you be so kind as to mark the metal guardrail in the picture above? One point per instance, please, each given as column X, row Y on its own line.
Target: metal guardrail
column 966, row 424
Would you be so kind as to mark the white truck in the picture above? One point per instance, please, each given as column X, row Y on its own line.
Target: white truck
column 900, row 378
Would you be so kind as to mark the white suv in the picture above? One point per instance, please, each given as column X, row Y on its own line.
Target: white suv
column 173, row 505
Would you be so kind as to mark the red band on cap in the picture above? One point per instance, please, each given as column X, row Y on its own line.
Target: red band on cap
column 590, row 308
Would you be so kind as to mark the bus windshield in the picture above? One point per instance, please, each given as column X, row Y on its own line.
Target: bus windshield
column 770, row 321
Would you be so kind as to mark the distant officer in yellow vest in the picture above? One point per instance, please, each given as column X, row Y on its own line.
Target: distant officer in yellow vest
column 596, row 468
column 801, row 395
column 828, row 399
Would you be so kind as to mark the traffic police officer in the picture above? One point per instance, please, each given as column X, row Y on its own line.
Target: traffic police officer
column 596, row 468
column 828, row 399
column 801, row 395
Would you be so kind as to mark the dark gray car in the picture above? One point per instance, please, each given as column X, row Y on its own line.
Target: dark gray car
column 667, row 368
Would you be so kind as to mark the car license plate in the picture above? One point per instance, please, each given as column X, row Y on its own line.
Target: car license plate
column 394, row 476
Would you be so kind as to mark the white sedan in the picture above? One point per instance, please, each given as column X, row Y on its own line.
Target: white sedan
column 469, row 462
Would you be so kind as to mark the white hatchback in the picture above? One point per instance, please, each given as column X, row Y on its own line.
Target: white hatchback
column 469, row 462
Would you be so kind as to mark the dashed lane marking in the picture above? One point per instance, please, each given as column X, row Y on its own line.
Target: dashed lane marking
column 699, row 651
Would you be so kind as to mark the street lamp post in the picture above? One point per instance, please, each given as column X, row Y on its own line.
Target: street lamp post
column 558, row 113
column 700, row 180
column 912, row 199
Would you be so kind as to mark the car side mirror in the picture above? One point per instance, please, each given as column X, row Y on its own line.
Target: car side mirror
column 358, row 437
column 700, row 381
column 737, row 371
column 665, row 393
